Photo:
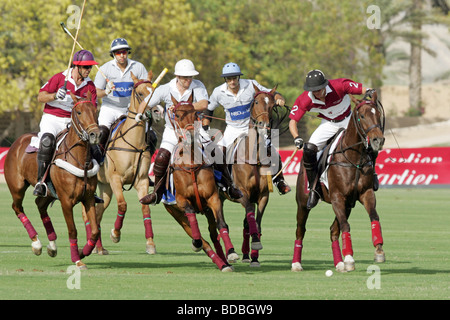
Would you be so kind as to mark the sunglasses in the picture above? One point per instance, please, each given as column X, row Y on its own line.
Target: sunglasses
column 118, row 53
column 86, row 67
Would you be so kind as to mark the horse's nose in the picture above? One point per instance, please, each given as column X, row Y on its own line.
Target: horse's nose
column 94, row 137
column 377, row 143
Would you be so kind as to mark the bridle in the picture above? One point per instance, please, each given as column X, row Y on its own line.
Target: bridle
column 363, row 133
column 254, row 120
column 83, row 133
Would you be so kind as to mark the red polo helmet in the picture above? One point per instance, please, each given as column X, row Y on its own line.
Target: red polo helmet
column 83, row 58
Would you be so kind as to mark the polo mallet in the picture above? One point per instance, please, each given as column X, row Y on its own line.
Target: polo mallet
column 63, row 26
column 286, row 164
column 74, row 45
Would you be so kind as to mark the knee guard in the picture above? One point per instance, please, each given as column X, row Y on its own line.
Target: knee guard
column 309, row 154
column 46, row 147
column 161, row 162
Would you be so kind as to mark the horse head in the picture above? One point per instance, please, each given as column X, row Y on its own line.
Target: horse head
column 141, row 89
column 84, row 119
column 261, row 110
column 184, row 115
column 370, row 118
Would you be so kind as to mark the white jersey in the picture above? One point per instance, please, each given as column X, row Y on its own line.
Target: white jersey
column 121, row 97
column 164, row 92
column 237, row 107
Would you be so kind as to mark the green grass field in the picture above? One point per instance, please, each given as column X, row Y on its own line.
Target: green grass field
column 416, row 231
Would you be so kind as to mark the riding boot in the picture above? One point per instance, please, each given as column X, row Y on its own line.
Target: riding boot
column 160, row 169
column 44, row 157
column 98, row 151
column 227, row 181
column 279, row 181
column 310, row 163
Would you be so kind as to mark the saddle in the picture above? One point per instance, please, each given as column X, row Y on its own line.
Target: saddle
column 324, row 158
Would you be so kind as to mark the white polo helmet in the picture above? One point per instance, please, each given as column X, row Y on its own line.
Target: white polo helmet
column 185, row 68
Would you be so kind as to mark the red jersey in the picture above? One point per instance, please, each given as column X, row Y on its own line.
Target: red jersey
column 337, row 104
column 63, row 108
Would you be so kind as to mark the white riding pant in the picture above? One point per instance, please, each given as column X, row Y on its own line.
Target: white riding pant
column 108, row 115
column 49, row 124
column 326, row 130
column 230, row 134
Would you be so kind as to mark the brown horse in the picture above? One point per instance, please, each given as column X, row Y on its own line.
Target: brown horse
column 196, row 190
column 252, row 170
column 127, row 162
column 71, row 187
column 350, row 178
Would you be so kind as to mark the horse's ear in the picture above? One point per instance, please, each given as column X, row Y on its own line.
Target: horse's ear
column 374, row 97
column 74, row 98
column 89, row 96
column 150, row 75
column 191, row 97
column 133, row 77
column 274, row 90
column 174, row 101
column 255, row 87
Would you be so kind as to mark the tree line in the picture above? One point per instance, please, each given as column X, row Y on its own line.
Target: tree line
column 273, row 41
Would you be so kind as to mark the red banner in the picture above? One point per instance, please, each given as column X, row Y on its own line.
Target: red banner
column 399, row 167
column 395, row 167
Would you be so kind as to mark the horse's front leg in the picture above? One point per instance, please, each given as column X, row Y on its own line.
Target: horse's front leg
column 89, row 208
column 105, row 192
column 369, row 201
column 262, row 203
column 216, row 206
column 251, row 222
column 67, row 209
column 342, row 213
column 142, row 190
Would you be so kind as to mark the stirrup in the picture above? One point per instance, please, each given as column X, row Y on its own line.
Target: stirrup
column 40, row 189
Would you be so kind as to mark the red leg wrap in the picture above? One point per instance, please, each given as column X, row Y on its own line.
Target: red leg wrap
column 253, row 228
column 298, row 247
column 89, row 246
column 347, row 244
column 148, row 226
column 335, row 247
column 27, row 224
column 226, row 239
column 219, row 250
column 377, row 238
column 74, row 250
column 216, row 259
column 119, row 220
column 51, row 234
column 246, row 242
column 196, row 235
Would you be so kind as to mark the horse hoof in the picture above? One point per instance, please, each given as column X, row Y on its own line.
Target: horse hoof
column 379, row 258
column 150, row 249
column 296, row 267
column 232, row 257
column 36, row 247
column 349, row 263
column 197, row 245
column 100, row 251
column 80, row 265
column 255, row 264
column 114, row 238
column 340, row 267
column 52, row 251
column 227, row 269
column 257, row 246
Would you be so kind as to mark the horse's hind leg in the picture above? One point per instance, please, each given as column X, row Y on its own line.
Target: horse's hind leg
column 42, row 204
column 262, row 203
column 18, row 196
column 252, row 225
column 142, row 190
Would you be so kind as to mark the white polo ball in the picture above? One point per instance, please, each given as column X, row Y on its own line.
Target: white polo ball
column 328, row 273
